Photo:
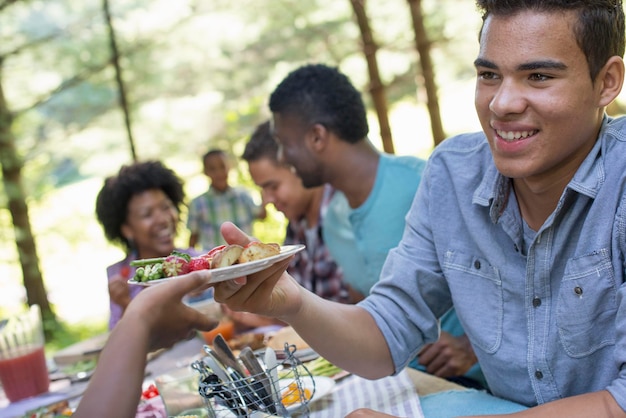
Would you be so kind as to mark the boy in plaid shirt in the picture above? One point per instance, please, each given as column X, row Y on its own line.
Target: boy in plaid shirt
column 220, row 203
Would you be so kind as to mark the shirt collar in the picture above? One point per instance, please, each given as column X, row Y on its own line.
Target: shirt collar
column 494, row 189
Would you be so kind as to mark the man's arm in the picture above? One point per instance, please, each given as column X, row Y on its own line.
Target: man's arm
column 346, row 335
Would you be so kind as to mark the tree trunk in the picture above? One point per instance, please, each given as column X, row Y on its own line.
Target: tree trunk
column 12, row 180
column 422, row 44
column 376, row 87
column 115, row 58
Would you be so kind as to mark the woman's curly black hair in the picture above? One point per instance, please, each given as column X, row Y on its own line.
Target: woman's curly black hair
column 112, row 200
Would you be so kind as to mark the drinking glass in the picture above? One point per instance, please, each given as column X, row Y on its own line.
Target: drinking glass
column 23, row 370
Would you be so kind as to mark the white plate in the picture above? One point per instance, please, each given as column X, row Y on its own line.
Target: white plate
column 323, row 386
column 237, row 270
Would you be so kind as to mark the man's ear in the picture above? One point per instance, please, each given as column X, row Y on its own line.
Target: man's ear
column 318, row 136
column 611, row 79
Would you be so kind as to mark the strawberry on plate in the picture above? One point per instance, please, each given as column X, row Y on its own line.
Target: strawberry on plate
column 198, row 263
column 175, row 264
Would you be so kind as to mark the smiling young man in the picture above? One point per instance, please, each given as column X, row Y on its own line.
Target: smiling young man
column 320, row 123
column 532, row 248
column 304, row 208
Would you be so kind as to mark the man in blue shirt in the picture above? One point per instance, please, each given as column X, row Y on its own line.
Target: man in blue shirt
column 522, row 227
column 321, row 125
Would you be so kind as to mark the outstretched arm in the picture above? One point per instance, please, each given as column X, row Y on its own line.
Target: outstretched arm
column 156, row 318
column 346, row 335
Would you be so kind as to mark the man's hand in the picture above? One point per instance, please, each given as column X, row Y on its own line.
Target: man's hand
column 270, row 292
column 449, row 356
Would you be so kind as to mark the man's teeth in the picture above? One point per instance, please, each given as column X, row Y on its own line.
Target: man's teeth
column 514, row 135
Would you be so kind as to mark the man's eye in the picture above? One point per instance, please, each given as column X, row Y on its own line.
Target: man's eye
column 539, row 77
column 487, row 75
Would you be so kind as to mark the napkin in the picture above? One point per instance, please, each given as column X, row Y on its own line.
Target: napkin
column 393, row 395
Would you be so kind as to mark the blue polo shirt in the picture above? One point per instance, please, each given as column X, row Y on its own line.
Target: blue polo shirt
column 359, row 239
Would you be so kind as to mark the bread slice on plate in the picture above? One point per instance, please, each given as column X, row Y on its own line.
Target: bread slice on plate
column 257, row 251
column 227, row 256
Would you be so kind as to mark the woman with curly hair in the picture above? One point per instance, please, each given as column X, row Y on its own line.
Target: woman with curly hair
column 139, row 211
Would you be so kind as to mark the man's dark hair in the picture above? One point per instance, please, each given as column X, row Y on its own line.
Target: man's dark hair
column 261, row 145
column 131, row 180
column 317, row 93
column 599, row 32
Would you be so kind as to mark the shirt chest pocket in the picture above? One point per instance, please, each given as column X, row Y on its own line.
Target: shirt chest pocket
column 587, row 305
column 478, row 298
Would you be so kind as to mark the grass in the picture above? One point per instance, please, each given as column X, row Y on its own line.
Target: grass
column 64, row 334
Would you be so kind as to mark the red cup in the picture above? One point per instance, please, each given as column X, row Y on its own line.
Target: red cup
column 25, row 375
column 23, row 370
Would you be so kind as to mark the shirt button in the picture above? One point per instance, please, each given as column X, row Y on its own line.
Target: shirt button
column 538, row 374
column 578, row 290
column 537, row 302
column 477, row 265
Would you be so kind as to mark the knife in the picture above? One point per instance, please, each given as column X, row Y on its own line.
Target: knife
column 234, row 400
column 238, row 380
column 226, row 355
column 261, row 383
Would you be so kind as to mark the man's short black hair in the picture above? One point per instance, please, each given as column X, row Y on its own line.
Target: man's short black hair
column 317, row 93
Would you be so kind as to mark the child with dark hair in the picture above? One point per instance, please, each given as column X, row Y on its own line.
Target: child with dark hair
column 222, row 202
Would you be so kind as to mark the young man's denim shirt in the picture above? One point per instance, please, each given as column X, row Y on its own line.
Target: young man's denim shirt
column 548, row 319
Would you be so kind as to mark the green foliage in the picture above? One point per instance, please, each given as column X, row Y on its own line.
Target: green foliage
column 79, row 105
column 197, row 74
column 272, row 228
column 64, row 334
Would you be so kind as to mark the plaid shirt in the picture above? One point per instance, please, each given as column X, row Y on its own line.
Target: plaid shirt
column 314, row 268
column 208, row 211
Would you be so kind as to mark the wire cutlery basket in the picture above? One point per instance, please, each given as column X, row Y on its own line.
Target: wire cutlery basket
column 282, row 389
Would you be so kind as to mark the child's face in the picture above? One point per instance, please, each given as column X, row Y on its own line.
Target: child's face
column 216, row 168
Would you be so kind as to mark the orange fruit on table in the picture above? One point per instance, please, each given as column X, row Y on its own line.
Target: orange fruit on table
column 225, row 327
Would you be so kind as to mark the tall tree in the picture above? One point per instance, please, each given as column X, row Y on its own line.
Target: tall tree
column 376, row 87
column 12, row 166
column 119, row 79
column 423, row 46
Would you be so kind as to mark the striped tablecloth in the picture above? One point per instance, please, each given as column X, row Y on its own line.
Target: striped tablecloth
column 393, row 395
